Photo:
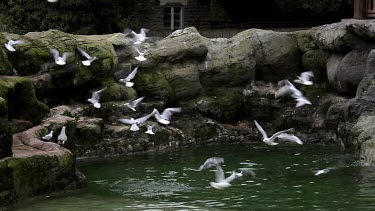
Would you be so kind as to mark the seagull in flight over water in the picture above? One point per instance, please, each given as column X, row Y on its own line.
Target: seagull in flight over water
column 89, row 58
column 305, row 78
column 271, row 141
column 323, row 171
column 95, row 98
column 129, row 78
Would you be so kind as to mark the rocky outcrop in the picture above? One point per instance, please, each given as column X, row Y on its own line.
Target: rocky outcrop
column 5, row 139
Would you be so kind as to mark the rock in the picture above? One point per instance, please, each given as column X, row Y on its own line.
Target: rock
column 5, row 66
column 315, row 61
column 3, row 108
column 21, row 100
column 89, row 132
column 367, row 152
column 5, row 139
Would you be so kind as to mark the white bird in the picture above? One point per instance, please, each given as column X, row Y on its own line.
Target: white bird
column 52, row 1
column 95, row 98
column 141, row 56
column 149, row 129
column 89, row 58
column 164, row 117
column 133, row 104
column 135, row 122
column 137, row 38
column 305, row 78
column 290, row 137
column 62, row 138
column 48, row 136
column 211, row 162
column 301, row 100
column 271, row 140
column 323, row 171
column 220, row 181
column 129, row 78
column 60, row 60
column 287, row 89
column 10, row 43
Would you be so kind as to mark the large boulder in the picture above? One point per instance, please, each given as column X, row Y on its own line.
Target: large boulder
column 5, row 139
column 21, row 100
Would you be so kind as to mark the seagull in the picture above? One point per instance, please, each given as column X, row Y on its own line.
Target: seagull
column 138, row 38
column 287, row 89
column 290, row 137
column 323, row 171
column 52, row 1
column 95, row 98
column 211, row 162
column 48, row 136
column 62, row 138
column 149, row 129
column 89, row 58
column 220, row 181
column 10, row 43
column 164, row 117
column 129, row 78
column 133, row 104
column 301, row 100
column 135, row 122
column 305, row 78
column 141, row 56
column 58, row 59
column 270, row 141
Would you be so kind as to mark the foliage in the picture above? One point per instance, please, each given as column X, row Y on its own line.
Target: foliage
column 72, row 16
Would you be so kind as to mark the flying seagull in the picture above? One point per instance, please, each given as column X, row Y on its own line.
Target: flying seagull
column 62, row 138
column 133, row 104
column 10, row 43
column 305, row 78
column 141, row 55
column 52, row 1
column 287, row 89
column 134, row 122
column 137, row 38
column 95, row 98
column 211, row 162
column 89, row 58
column 164, row 117
column 129, row 78
column 149, row 129
column 271, row 140
column 48, row 136
column 301, row 100
column 60, row 60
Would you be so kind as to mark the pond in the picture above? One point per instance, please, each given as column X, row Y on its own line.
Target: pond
column 285, row 180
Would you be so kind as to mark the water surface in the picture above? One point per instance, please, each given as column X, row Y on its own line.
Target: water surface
column 284, row 180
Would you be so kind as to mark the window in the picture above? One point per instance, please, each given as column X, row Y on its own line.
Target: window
column 173, row 17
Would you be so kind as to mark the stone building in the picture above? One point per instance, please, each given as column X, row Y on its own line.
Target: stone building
column 169, row 15
column 364, row 9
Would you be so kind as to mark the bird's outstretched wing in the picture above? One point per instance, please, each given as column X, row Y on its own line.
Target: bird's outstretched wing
column 143, row 31
column 211, row 162
column 18, row 42
column 55, row 53
column 96, row 94
column 280, row 132
column 167, row 113
column 219, row 174
column 66, row 55
column 307, row 75
column 132, row 74
column 290, row 137
column 127, row 121
column 264, row 134
column 144, row 118
column 135, row 103
column 84, row 53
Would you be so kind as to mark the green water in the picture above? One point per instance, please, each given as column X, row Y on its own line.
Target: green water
column 165, row 181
